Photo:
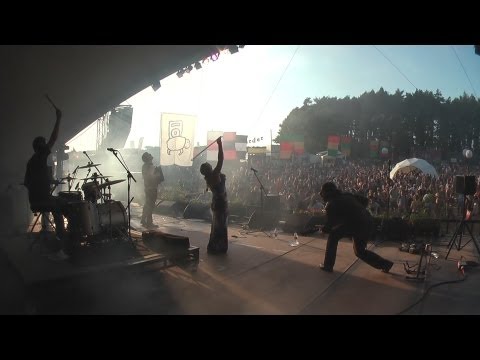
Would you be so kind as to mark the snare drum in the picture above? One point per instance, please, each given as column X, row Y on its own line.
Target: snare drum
column 71, row 195
column 91, row 191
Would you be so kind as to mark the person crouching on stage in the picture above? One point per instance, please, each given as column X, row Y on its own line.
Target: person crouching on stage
column 347, row 216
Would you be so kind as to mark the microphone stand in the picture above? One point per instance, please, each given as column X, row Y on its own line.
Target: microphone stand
column 129, row 177
column 388, row 190
column 263, row 192
column 385, row 226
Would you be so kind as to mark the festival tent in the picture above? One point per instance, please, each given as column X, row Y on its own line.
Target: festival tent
column 408, row 165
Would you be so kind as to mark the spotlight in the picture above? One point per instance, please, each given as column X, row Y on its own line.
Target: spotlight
column 233, row 49
column 198, row 66
column 188, row 69
column 156, row 85
column 180, row 73
column 241, row 46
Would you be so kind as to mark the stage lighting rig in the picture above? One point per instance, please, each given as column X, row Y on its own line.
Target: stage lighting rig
column 156, row 85
column 233, row 49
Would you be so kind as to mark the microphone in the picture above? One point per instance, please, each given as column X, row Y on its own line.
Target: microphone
column 85, row 152
column 111, row 149
column 253, row 169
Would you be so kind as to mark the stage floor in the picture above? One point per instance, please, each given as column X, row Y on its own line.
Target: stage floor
column 260, row 274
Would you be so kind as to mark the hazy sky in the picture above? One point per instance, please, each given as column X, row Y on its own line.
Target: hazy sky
column 253, row 91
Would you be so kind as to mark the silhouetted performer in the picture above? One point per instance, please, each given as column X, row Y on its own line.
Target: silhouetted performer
column 215, row 180
column 152, row 177
column 38, row 180
column 348, row 217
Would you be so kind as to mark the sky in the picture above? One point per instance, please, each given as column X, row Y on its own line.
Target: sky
column 252, row 91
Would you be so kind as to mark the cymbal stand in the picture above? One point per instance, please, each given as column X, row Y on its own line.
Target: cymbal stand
column 71, row 178
column 92, row 163
column 129, row 179
column 86, row 177
column 96, row 168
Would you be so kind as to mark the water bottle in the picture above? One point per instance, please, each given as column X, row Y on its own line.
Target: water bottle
column 275, row 233
column 295, row 240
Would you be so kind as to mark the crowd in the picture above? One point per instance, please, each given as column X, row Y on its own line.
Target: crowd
column 298, row 186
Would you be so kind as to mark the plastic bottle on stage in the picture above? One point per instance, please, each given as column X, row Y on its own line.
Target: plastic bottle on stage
column 295, row 240
column 275, row 233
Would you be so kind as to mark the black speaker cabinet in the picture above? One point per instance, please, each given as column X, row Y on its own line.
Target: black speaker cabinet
column 465, row 184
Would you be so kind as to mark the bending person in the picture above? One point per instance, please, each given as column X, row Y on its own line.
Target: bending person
column 347, row 216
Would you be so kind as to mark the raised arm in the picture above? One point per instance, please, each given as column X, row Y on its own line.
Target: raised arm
column 218, row 168
column 56, row 128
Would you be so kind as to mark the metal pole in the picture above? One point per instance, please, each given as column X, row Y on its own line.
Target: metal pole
column 206, row 148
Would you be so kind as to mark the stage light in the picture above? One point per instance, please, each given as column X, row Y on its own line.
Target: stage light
column 180, row 73
column 233, row 49
column 468, row 154
column 241, row 46
column 188, row 69
column 156, row 85
column 198, row 66
column 477, row 49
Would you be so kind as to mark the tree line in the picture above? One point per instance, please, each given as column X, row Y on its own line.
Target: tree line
column 411, row 123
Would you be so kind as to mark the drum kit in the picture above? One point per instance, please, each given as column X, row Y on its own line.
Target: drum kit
column 91, row 212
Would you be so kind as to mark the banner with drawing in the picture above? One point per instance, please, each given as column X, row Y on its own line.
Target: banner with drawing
column 177, row 132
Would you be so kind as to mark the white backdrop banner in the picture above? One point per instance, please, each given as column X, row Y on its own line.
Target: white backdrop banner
column 177, row 132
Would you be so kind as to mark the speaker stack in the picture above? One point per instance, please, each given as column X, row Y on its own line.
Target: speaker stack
column 465, row 184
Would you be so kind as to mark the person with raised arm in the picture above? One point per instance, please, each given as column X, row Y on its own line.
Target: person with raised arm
column 215, row 181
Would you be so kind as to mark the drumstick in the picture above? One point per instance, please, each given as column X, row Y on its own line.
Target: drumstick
column 206, row 148
column 51, row 102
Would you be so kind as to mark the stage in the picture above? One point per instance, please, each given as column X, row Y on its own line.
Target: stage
column 260, row 274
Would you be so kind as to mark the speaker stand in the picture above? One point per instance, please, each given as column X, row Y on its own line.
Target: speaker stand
column 458, row 234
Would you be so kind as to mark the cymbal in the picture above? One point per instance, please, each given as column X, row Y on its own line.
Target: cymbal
column 95, row 177
column 88, row 166
column 108, row 183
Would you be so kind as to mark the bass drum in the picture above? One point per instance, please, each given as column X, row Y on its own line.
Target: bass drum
column 81, row 218
column 112, row 213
